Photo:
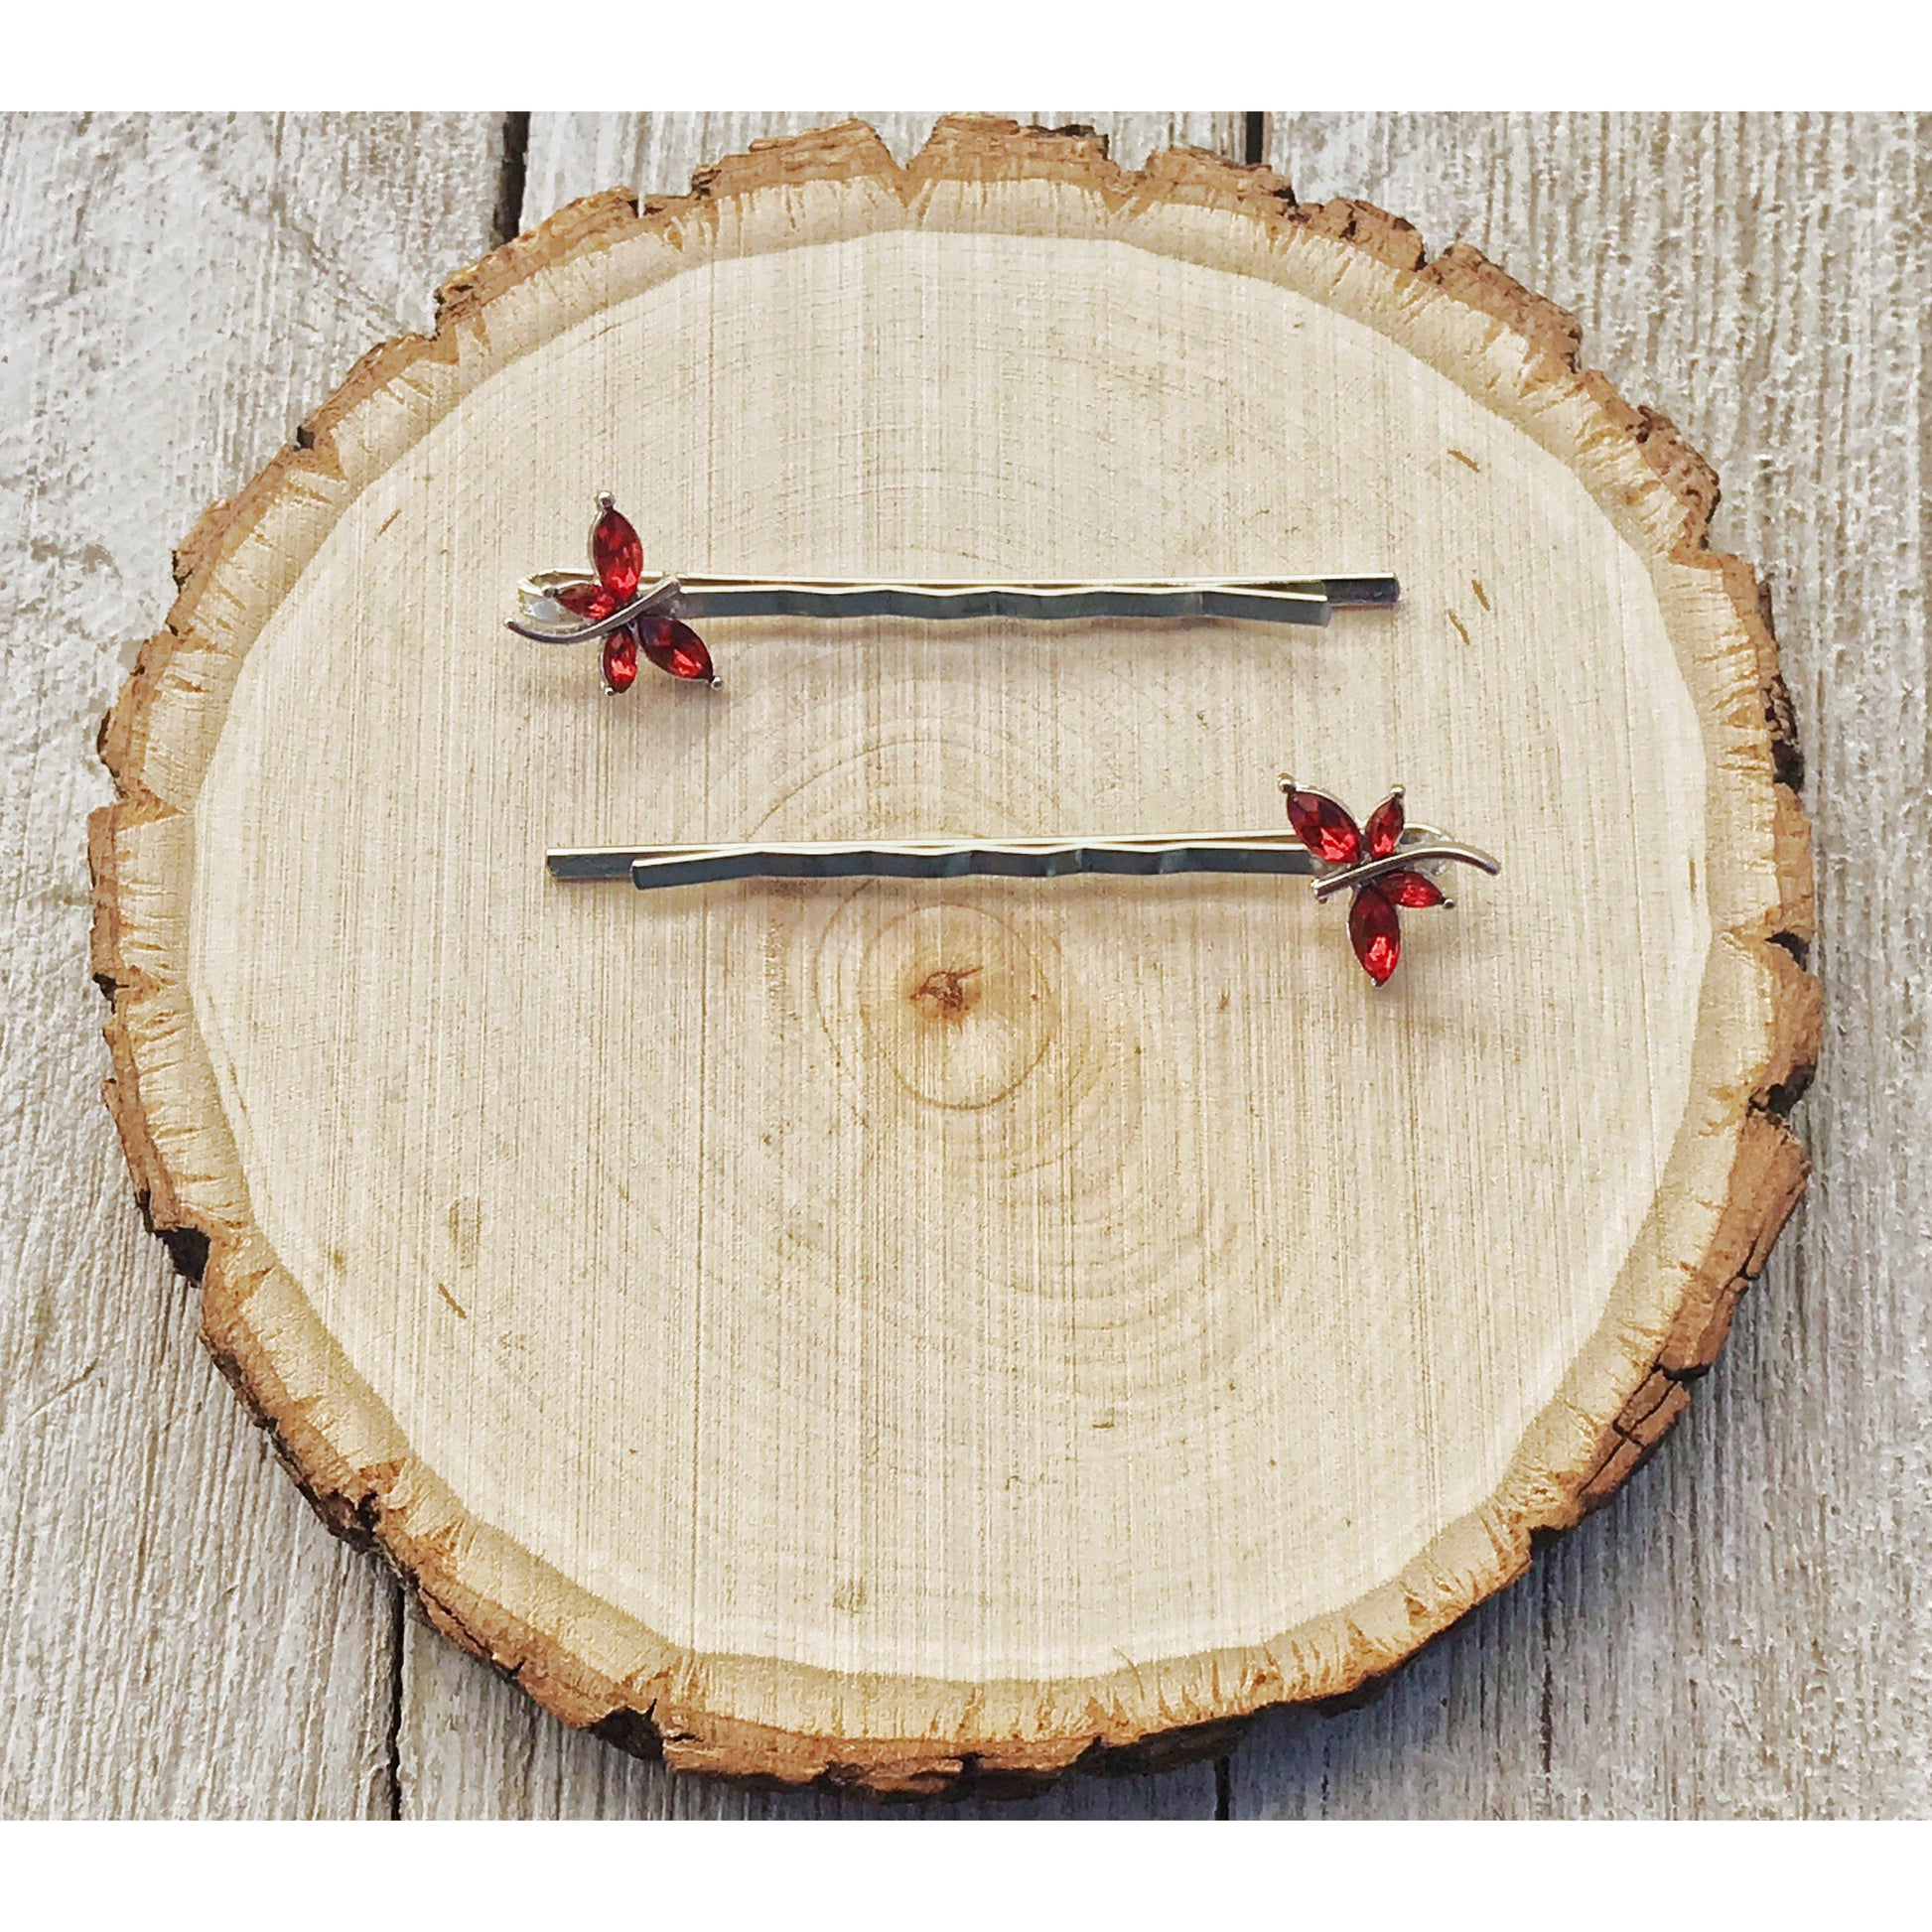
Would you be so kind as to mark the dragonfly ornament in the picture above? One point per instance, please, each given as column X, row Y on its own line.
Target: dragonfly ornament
column 1388, row 865
column 561, row 606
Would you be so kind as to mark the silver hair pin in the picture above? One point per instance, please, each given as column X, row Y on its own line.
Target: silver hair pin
column 1388, row 864
column 638, row 617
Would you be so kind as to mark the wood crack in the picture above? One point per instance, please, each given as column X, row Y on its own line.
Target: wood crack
column 512, row 178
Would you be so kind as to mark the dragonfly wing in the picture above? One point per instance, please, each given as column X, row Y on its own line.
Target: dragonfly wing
column 1410, row 889
column 1325, row 826
column 1385, row 823
column 1375, row 931
column 616, row 555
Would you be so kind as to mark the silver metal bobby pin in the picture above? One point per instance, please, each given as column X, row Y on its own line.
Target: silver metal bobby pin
column 1388, row 864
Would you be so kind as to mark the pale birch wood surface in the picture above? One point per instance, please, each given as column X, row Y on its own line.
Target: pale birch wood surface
column 1736, row 1633
column 180, row 1635
column 1289, row 1440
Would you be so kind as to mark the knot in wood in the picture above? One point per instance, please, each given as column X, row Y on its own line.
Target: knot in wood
column 947, row 992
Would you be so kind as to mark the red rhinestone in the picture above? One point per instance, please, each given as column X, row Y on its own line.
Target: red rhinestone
column 1325, row 827
column 675, row 648
column 589, row 600
column 1412, row 889
column 1384, row 828
column 618, row 555
column 620, row 659
column 1375, row 933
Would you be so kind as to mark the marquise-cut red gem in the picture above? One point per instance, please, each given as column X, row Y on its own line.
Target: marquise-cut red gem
column 1384, row 828
column 620, row 659
column 1375, row 933
column 616, row 555
column 675, row 648
column 589, row 600
column 1413, row 889
column 1325, row 827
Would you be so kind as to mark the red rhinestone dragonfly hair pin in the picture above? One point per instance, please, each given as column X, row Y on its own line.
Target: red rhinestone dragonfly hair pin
column 1392, row 865
column 635, row 614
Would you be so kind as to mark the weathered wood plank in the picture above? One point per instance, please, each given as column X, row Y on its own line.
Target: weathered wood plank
column 1739, row 1632
column 576, row 153
column 181, row 1637
column 471, row 1745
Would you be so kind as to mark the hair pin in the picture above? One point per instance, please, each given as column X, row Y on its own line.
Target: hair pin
column 635, row 617
column 1390, row 864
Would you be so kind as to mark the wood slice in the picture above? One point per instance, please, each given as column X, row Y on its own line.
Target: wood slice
column 898, row 1333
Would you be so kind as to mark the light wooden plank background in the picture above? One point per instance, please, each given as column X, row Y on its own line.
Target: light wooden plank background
column 1744, row 1631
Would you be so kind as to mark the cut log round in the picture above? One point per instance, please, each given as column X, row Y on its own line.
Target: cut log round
column 898, row 1332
